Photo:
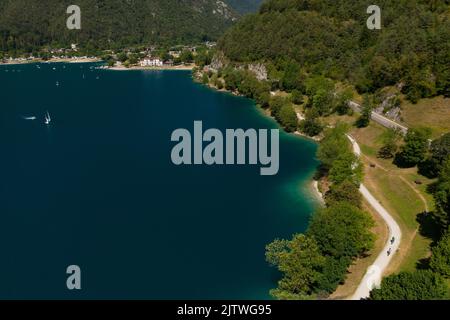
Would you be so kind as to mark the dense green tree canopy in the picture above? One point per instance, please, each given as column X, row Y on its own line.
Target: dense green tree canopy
column 415, row 149
column 311, row 125
column 366, row 112
column 342, row 231
column 287, row 118
column 347, row 191
column 418, row 285
column 331, row 38
column 300, row 261
column 26, row 25
column 391, row 139
column 442, row 195
column 346, row 167
column 440, row 152
column 440, row 259
column 245, row 6
column 333, row 145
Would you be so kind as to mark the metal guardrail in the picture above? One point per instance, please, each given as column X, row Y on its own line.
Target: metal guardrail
column 380, row 119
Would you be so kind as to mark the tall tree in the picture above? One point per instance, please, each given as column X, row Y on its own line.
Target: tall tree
column 300, row 262
column 366, row 112
column 391, row 140
column 440, row 259
column 439, row 153
column 347, row 191
column 418, row 285
column 415, row 149
column 442, row 195
column 346, row 167
column 342, row 231
column 333, row 144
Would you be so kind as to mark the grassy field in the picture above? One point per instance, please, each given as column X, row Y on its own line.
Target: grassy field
column 397, row 191
column 433, row 113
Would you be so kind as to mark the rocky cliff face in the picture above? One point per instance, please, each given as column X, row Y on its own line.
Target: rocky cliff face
column 259, row 70
column 219, row 61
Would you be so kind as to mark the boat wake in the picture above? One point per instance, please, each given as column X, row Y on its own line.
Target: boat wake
column 28, row 118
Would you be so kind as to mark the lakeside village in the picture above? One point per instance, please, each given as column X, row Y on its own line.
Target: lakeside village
column 152, row 57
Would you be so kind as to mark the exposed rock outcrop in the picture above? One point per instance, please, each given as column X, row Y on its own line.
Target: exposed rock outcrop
column 259, row 70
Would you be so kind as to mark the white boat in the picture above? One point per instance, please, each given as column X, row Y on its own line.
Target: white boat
column 57, row 83
column 47, row 118
column 29, row 118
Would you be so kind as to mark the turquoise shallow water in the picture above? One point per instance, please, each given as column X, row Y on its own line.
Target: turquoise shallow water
column 97, row 189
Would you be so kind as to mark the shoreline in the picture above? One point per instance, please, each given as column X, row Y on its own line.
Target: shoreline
column 313, row 184
column 300, row 134
column 317, row 194
column 138, row 68
column 374, row 274
column 57, row 60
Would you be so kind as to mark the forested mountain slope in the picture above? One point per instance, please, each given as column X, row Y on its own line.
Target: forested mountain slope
column 331, row 38
column 28, row 24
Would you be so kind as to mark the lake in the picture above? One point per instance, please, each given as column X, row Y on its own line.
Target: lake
column 97, row 188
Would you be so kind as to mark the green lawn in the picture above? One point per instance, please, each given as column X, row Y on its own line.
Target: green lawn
column 432, row 113
column 395, row 188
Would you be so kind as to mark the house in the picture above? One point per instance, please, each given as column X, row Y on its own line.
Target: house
column 151, row 62
column 210, row 44
column 175, row 53
column 168, row 63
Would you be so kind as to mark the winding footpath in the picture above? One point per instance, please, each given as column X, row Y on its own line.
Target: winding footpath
column 374, row 273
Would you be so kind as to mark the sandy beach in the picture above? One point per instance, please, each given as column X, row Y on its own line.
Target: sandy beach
column 53, row 60
column 316, row 191
column 181, row 67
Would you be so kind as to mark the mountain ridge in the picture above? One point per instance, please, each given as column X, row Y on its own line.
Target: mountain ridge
column 332, row 39
column 26, row 25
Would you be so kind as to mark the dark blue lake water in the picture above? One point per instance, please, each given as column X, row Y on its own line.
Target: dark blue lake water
column 97, row 189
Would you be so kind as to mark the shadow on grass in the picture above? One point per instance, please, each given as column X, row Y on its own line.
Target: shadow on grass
column 423, row 264
column 429, row 227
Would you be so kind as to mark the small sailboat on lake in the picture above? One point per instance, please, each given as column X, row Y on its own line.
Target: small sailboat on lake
column 48, row 119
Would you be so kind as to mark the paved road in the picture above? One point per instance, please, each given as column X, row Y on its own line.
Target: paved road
column 374, row 273
column 385, row 122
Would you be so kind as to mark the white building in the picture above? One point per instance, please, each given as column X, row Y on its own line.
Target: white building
column 152, row 62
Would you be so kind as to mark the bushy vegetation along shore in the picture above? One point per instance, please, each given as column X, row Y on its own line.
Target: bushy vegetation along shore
column 315, row 263
column 316, row 98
